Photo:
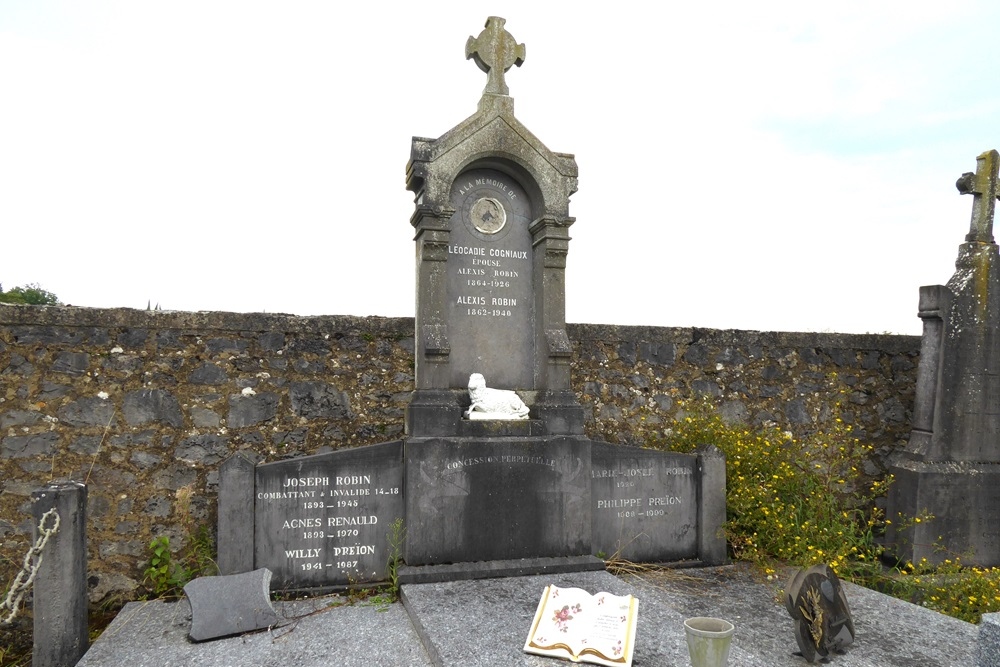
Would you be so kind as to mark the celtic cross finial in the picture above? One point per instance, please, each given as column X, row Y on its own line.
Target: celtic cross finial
column 495, row 51
column 982, row 185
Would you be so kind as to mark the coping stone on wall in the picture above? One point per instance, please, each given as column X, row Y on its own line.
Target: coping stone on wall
column 402, row 327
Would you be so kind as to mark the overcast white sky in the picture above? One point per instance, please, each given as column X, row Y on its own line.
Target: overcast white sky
column 767, row 165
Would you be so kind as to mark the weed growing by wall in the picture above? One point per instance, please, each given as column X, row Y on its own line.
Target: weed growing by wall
column 789, row 500
column 168, row 572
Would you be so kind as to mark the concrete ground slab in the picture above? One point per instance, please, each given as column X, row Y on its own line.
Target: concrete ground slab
column 312, row 634
column 485, row 622
column 888, row 632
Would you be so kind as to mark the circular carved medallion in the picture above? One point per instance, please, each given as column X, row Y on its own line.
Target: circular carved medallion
column 488, row 215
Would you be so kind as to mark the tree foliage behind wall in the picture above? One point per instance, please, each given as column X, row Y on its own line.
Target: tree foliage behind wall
column 31, row 294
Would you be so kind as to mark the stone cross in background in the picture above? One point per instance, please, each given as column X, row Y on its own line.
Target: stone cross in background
column 950, row 469
column 983, row 186
column 495, row 51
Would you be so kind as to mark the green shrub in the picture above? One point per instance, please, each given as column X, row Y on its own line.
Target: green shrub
column 792, row 501
column 31, row 294
column 800, row 502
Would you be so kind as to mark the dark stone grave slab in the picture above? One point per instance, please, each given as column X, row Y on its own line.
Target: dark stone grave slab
column 653, row 506
column 230, row 604
column 496, row 499
column 644, row 504
column 323, row 520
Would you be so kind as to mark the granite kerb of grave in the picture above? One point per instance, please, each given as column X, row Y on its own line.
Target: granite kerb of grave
column 473, row 499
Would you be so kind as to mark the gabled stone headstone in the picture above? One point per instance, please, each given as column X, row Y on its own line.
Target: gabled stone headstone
column 492, row 221
column 951, row 467
column 230, row 604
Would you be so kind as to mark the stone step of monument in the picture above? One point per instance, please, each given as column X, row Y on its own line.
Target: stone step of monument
column 486, row 621
column 425, row 574
column 519, row 428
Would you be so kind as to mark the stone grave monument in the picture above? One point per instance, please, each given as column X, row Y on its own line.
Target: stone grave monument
column 951, row 466
column 495, row 467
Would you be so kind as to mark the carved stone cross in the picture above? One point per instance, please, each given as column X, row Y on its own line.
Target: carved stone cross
column 983, row 187
column 495, row 51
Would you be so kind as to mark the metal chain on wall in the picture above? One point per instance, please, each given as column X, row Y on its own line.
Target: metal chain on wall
column 32, row 561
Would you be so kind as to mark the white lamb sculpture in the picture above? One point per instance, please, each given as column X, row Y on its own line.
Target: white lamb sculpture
column 493, row 403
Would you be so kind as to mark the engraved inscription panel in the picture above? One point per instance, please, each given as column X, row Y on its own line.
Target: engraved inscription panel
column 644, row 504
column 490, row 309
column 323, row 520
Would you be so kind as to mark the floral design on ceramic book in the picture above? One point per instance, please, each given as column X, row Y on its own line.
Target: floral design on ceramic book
column 563, row 616
column 571, row 623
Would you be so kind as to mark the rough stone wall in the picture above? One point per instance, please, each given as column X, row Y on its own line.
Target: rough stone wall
column 144, row 405
column 634, row 379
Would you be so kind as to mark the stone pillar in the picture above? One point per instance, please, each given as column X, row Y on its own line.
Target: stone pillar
column 432, row 343
column 934, row 302
column 432, row 408
column 556, row 403
column 712, row 505
column 236, row 515
column 60, row 588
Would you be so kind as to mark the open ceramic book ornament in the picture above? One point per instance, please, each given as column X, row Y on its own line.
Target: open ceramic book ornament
column 574, row 625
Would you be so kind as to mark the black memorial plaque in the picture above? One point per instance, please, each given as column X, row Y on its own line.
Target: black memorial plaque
column 323, row 520
column 644, row 503
column 497, row 499
column 490, row 295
